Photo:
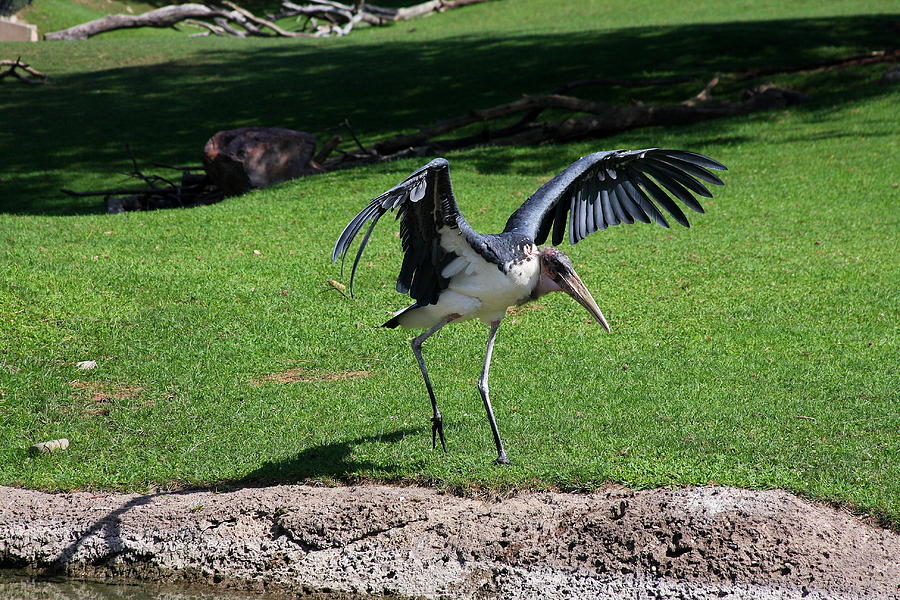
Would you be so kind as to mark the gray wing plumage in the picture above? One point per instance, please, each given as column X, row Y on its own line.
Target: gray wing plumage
column 608, row 188
column 424, row 202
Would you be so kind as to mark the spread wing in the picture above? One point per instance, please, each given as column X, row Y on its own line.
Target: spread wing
column 608, row 188
column 425, row 204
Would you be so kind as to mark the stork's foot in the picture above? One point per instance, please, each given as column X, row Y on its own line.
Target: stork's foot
column 437, row 430
column 502, row 460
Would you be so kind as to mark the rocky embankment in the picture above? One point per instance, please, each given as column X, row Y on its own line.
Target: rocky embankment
column 709, row 542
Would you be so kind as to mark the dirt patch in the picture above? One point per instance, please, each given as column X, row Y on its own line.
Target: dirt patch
column 311, row 375
column 101, row 394
column 709, row 542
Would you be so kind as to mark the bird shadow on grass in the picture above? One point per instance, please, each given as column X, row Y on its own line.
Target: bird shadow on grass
column 74, row 134
column 335, row 462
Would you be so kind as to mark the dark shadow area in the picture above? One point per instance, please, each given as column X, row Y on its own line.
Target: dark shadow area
column 167, row 111
column 329, row 461
column 108, row 529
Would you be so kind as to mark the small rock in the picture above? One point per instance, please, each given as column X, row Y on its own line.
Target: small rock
column 51, row 446
column 87, row 365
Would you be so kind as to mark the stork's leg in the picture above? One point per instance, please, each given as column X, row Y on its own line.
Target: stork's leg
column 483, row 388
column 437, row 425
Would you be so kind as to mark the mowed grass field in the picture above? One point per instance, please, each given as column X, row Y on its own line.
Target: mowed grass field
column 757, row 349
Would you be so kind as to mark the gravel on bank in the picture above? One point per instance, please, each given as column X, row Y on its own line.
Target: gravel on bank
column 692, row 543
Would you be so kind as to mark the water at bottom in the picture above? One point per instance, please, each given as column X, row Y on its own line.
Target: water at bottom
column 15, row 585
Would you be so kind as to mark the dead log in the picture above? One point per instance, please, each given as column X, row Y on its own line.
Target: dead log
column 231, row 19
column 622, row 118
column 166, row 16
column 602, row 120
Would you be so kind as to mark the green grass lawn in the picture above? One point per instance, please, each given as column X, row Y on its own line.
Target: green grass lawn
column 757, row 349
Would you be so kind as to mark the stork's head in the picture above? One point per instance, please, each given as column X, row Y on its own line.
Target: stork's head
column 558, row 275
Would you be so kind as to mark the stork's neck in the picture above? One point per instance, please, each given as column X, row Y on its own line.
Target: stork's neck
column 544, row 286
column 547, row 281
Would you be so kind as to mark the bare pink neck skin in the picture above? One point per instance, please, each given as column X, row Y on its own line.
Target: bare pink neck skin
column 545, row 286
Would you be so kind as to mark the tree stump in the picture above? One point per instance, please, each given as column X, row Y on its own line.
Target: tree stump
column 238, row 160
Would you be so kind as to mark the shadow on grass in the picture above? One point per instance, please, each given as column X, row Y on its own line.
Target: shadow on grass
column 327, row 462
column 73, row 133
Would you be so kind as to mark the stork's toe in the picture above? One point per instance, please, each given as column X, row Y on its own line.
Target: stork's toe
column 437, row 430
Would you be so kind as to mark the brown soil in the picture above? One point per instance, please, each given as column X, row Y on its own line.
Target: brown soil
column 102, row 393
column 709, row 542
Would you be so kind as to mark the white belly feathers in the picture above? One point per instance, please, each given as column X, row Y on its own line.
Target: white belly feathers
column 477, row 288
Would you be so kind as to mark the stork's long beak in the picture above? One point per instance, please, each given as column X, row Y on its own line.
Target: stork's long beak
column 571, row 283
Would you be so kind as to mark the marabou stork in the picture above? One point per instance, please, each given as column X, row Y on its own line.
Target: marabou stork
column 454, row 273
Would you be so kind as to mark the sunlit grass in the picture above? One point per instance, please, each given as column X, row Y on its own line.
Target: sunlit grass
column 757, row 349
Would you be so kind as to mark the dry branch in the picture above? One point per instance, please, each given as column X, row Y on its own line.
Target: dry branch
column 13, row 68
column 600, row 120
column 157, row 192
column 214, row 29
column 327, row 149
column 705, row 94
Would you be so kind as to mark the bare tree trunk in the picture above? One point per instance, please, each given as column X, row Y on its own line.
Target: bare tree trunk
column 161, row 17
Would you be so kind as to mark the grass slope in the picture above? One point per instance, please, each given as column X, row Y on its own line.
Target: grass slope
column 757, row 349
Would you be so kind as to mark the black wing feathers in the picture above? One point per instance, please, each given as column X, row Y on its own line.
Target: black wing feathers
column 608, row 188
column 424, row 203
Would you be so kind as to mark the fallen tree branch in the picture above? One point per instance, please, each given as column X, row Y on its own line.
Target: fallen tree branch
column 166, row 16
column 158, row 192
column 601, row 120
column 327, row 149
column 14, row 66
column 618, row 119
column 705, row 94
column 214, row 29
column 589, row 119
column 235, row 20
column 263, row 22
